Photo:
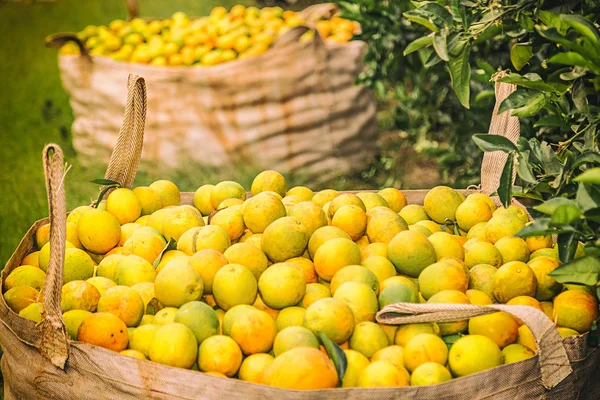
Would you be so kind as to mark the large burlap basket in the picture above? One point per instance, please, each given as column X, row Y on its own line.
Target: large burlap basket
column 40, row 361
column 295, row 108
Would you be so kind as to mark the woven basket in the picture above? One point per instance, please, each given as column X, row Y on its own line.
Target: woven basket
column 40, row 361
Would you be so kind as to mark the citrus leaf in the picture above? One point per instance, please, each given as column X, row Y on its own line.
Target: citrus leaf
column 584, row 270
column 103, row 192
column 505, row 187
column 584, row 158
column 534, row 81
column 169, row 246
column 591, row 175
column 567, row 245
column 487, row 142
column 532, row 107
column 450, row 339
column 539, row 227
column 153, row 306
column 570, row 58
column 548, row 207
column 549, row 120
column 524, row 168
column 553, row 20
column 565, row 214
column 460, row 70
column 417, row 44
column 517, row 99
column 580, row 98
column 439, row 45
column 520, row 54
column 337, row 355
column 103, row 181
column 583, row 26
column 588, row 197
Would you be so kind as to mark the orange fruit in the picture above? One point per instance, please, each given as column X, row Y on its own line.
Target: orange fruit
column 105, row 330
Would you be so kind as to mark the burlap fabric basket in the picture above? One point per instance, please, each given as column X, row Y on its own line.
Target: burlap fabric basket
column 295, row 108
column 40, row 361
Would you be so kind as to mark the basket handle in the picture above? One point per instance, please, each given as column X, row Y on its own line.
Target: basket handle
column 133, row 9
column 125, row 158
column 553, row 360
column 54, row 343
column 501, row 124
column 59, row 39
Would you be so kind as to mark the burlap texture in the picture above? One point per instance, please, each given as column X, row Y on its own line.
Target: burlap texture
column 295, row 108
column 34, row 357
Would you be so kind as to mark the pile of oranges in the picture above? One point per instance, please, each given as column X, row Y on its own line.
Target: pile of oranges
column 218, row 38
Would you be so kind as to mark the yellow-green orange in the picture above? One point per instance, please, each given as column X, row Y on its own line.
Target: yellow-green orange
column 234, row 284
column 206, row 263
column 335, row 254
column 575, row 309
column 178, row 283
column 301, row 368
column 332, row 317
column 226, row 190
column 429, row 373
column 292, row 337
column 368, row 338
column 249, row 256
column 322, row 235
column 202, row 199
column 282, row 285
column 141, row 337
column 423, row 348
column 285, row 238
column 73, row 320
column 481, row 252
column 513, row 248
column 356, row 364
column 515, row 353
column 254, row 331
column 268, row 181
column 441, row 203
column 442, row 276
column 500, row 327
column 408, row 331
column 383, row 374
column 253, row 367
column 261, row 210
column 360, row 298
column 355, row 273
column 290, row 316
column 174, row 345
column 450, row 297
column 395, row 198
column 200, row 318
column 547, row 287
column 413, row 213
column 411, row 253
column 514, row 279
column 473, row 353
column 124, row 204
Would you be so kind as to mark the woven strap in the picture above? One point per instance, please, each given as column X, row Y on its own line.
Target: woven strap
column 553, row 361
column 133, row 9
column 125, row 158
column 54, row 339
column 501, row 124
column 59, row 39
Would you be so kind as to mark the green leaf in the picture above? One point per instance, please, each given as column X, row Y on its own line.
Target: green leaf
column 553, row 35
column 553, row 20
column 583, row 26
column 153, row 306
column 520, row 54
column 570, row 58
column 432, row 16
column 418, row 44
column 567, row 245
column 337, row 355
column 524, row 168
column 517, row 99
column 450, row 339
column 551, row 163
column 439, row 45
column 550, row 206
column 588, row 197
column 487, row 142
column 591, row 175
column 575, row 73
column 534, row 81
column 487, row 67
column 531, row 108
column 460, row 69
column 539, row 227
column 580, row 98
column 169, row 246
column 584, row 270
column 565, row 214
column 103, row 192
column 549, row 120
column 505, row 187
column 484, row 96
column 102, row 181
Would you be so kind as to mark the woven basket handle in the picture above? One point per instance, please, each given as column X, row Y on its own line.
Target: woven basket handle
column 133, row 9
column 125, row 158
column 501, row 124
column 59, row 39
column 553, row 361
column 54, row 339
